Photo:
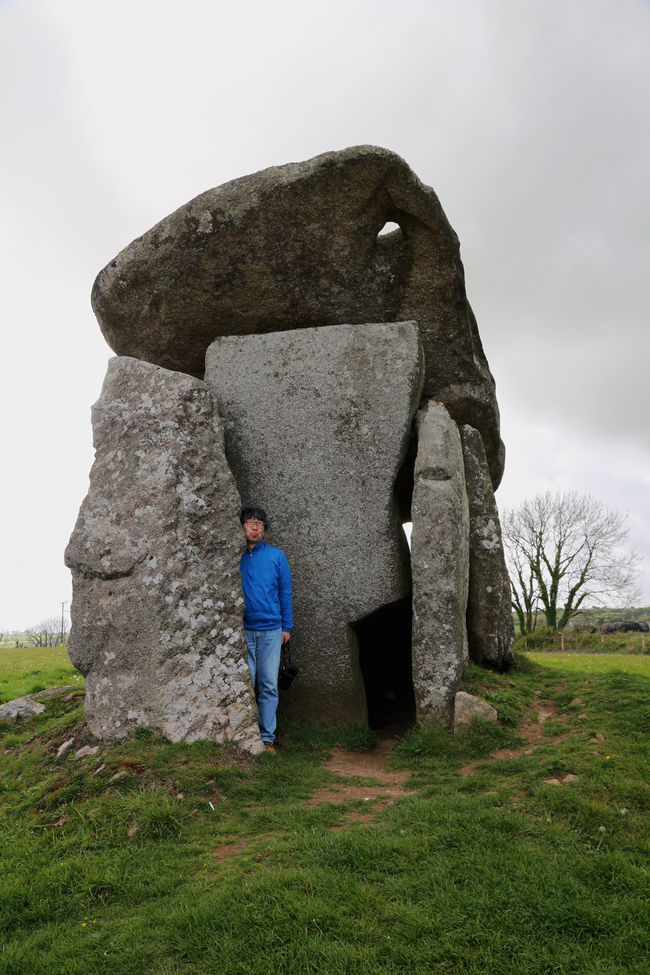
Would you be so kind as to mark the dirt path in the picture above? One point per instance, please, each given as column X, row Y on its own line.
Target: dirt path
column 380, row 789
column 381, row 785
column 531, row 730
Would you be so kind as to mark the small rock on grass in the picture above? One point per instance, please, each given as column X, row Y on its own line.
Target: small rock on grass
column 21, row 707
column 565, row 780
column 66, row 746
column 87, row 751
column 466, row 707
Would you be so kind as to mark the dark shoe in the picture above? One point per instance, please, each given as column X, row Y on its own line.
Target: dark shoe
column 269, row 747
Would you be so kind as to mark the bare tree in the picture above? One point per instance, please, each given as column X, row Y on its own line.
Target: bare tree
column 523, row 585
column 563, row 551
column 44, row 634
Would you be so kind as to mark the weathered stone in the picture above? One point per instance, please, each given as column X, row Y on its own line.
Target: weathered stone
column 316, row 423
column 87, row 751
column 439, row 565
column 27, row 706
column 20, row 707
column 65, row 747
column 300, row 246
column 490, row 630
column 157, row 606
column 467, row 707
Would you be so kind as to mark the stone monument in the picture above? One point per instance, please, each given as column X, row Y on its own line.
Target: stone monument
column 274, row 346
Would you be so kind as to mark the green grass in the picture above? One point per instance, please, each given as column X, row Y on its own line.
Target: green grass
column 544, row 640
column 31, row 669
column 199, row 859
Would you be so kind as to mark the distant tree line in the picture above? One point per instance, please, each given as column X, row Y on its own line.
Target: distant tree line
column 48, row 633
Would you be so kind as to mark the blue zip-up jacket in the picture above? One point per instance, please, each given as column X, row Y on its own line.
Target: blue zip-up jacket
column 266, row 581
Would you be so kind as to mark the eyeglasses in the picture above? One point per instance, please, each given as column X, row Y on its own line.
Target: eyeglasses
column 254, row 523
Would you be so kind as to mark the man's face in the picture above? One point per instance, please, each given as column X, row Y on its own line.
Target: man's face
column 253, row 530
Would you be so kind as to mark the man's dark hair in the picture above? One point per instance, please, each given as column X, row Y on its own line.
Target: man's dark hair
column 258, row 513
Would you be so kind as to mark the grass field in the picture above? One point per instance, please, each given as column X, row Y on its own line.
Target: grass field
column 518, row 848
column 31, row 669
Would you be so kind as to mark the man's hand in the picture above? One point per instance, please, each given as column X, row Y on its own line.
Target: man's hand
column 285, row 638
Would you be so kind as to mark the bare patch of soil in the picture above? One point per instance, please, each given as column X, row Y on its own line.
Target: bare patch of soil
column 365, row 819
column 372, row 765
column 230, row 849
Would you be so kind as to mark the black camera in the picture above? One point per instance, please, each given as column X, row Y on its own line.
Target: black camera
column 288, row 671
column 287, row 675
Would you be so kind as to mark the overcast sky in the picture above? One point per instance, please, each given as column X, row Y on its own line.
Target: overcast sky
column 530, row 118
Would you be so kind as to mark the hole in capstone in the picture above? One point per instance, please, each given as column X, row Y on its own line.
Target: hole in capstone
column 388, row 228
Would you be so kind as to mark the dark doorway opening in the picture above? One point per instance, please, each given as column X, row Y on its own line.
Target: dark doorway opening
column 385, row 658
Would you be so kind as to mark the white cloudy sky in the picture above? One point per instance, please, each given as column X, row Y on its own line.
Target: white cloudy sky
column 530, row 118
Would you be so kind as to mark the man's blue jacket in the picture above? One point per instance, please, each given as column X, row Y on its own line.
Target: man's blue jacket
column 266, row 581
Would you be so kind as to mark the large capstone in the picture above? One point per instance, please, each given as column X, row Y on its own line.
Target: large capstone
column 299, row 246
column 157, row 602
column 439, row 564
column 316, row 423
column 490, row 630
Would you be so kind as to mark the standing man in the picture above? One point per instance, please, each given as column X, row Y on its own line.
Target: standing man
column 266, row 581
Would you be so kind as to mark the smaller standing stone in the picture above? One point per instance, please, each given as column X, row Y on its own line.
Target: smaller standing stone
column 467, row 707
column 439, row 565
column 490, row 630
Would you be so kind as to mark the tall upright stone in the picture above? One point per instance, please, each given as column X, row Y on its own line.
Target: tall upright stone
column 300, row 246
column 316, row 424
column 490, row 629
column 439, row 565
column 157, row 603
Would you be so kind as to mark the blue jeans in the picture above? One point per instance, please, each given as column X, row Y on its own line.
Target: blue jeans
column 264, row 649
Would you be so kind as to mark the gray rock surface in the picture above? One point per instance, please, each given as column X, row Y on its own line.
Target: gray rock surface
column 87, row 751
column 65, row 747
column 490, row 630
column 439, row 565
column 300, row 246
column 157, row 603
column 19, row 708
column 316, row 423
column 28, row 705
column 467, row 707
